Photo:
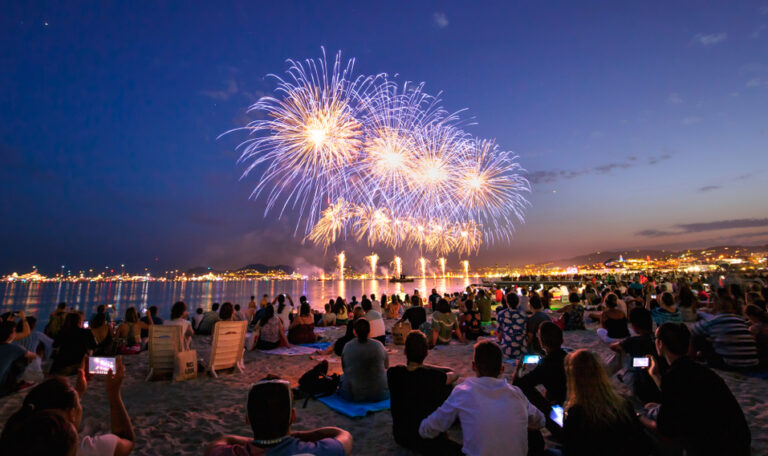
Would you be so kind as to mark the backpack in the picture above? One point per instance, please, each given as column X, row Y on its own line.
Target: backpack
column 317, row 383
column 400, row 332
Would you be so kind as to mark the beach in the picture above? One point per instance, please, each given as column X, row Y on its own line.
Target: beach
column 182, row 417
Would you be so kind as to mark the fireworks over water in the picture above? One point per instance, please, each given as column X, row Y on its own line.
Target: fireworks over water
column 368, row 159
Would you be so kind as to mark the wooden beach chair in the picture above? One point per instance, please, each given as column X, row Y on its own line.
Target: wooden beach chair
column 164, row 343
column 228, row 346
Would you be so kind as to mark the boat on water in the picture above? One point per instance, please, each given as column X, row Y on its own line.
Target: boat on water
column 401, row 279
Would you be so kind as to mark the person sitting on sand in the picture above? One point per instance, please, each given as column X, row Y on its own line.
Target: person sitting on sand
column 667, row 310
column 329, row 318
column 13, row 358
column 151, row 314
column 269, row 332
column 532, row 325
column 209, row 319
column 758, row 326
column 687, row 304
column 57, row 394
column 697, row 407
column 378, row 329
column 549, row 372
column 302, row 329
column 180, row 317
column 597, row 420
column 483, row 306
column 511, row 330
column 495, row 416
column 270, row 413
column 239, row 315
column 226, row 312
column 56, row 321
column 73, row 343
column 128, row 334
column 416, row 315
column 416, row 390
column 394, row 309
column 444, row 324
column 470, row 324
column 365, row 363
column 613, row 322
column 573, row 313
column 103, row 335
column 725, row 340
column 638, row 346
column 35, row 340
column 340, row 309
column 284, row 310
column 338, row 346
column 197, row 318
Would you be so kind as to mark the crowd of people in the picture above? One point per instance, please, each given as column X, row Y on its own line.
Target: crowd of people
column 530, row 394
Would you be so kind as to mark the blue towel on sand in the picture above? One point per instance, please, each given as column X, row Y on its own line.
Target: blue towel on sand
column 353, row 409
column 318, row 345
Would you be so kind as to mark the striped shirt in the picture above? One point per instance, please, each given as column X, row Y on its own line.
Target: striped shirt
column 731, row 339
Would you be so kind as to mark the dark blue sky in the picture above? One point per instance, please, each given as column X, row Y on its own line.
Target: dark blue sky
column 641, row 123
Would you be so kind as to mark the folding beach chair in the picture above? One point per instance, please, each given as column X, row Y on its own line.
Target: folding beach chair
column 164, row 343
column 228, row 346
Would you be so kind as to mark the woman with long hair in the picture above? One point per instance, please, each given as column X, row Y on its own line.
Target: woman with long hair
column 128, row 334
column 73, row 343
column 597, row 420
column 302, row 330
column 269, row 332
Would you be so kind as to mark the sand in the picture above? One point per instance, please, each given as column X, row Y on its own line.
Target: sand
column 180, row 418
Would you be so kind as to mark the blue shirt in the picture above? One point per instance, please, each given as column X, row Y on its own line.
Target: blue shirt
column 9, row 353
column 33, row 340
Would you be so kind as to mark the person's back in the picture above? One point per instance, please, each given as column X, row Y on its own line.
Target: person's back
column 416, row 316
column 365, row 363
column 698, row 406
column 495, row 416
column 57, row 321
column 732, row 343
column 484, row 307
column 209, row 319
column 550, row 371
column 511, row 331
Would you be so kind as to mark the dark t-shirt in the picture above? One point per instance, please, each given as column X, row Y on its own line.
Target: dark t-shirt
column 9, row 354
column 535, row 320
column 550, row 372
column 698, row 407
column 638, row 346
column 416, row 315
column 73, row 345
column 624, row 437
column 155, row 320
column 414, row 395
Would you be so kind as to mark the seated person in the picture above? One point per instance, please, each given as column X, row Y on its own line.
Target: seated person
column 667, row 310
column 573, row 313
column 57, row 394
column 471, row 326
column 226, row 313
column 532, row 325
column 495, row 417
column 47, row 432
column 394, row 308
column 758, row 326
column 598, row 421
column 687, row 305
column 511, row 332
column 725, row 340
column 128, row 334
column 151, row 313
column 378, row 329
column 416, row 315
column 205, row 326
column 73, row 343
column 549, row 372
column 302, row 330
column 613, row 322
column 365, row 363
column 197, row 318
column 483, row 306
column 444, row 324
column 270, row 414
column 329, row 318
column 338, row 345
column 36, row 340
column 240, row 315
column 13, row 358
column 102, row 334
column 340, row 309
column 416, row 390
column 638, row 346
column 269, row 332
column 180, row 317
column 56, row 320
column 697, row 407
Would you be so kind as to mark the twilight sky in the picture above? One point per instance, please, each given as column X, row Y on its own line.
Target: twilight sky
column 641, row 124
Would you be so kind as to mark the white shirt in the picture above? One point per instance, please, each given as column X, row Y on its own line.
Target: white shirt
column 285, row 314
column 494, row 415
column 100, row 445
column 377, row 324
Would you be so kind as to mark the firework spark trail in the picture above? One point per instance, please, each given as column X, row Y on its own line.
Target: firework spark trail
column 442, row 265
column 384, row 162
column 372, row 260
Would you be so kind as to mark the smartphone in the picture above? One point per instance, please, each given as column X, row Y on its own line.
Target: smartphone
column 653, row 296
column 642, row 361
column 100, row 366
column 557, row 415
column 531, row 359
column 85, row 324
